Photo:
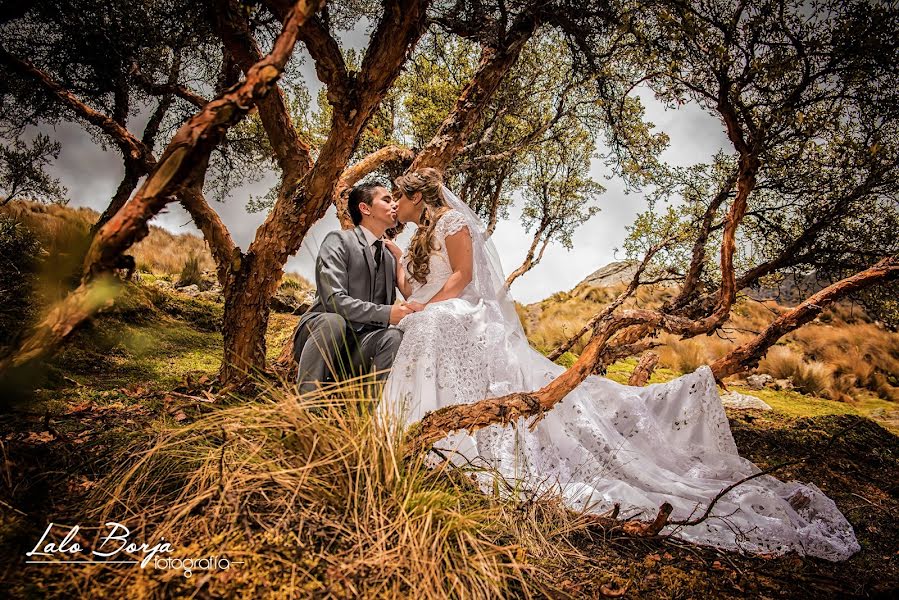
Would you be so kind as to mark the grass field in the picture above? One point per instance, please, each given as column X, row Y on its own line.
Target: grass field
column 128, row 422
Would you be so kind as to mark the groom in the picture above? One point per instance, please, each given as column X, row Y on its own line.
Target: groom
column 345, row 331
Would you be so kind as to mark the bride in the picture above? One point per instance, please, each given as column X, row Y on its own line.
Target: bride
column 604, row 443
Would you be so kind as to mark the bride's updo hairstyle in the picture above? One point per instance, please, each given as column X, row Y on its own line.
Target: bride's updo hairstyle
column 429, row 182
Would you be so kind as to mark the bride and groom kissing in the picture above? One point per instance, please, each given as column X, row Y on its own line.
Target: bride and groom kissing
column 351, row 327
column 457, row 339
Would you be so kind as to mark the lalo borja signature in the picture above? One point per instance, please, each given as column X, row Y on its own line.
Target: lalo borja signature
column 115, row 543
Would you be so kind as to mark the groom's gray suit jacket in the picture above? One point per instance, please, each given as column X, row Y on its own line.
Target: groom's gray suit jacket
column 345, row 280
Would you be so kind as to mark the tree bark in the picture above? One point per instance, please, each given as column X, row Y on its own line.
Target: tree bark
column 643, row 370
column 749, row 354
column 183, row 163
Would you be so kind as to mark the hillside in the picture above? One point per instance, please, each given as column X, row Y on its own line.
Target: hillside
column 843, row 362
column 128, row 422
column 55, row 237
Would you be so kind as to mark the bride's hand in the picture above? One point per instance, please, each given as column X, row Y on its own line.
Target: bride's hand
column 394, row 249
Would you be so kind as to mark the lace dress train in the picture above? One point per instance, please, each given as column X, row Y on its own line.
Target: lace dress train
column 604, row 443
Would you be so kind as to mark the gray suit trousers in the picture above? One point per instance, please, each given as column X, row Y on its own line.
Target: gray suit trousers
column 328, row 349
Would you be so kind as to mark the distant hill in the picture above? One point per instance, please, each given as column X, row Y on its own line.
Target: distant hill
column 788, row 291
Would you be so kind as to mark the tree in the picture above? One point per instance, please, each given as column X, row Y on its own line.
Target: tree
column 180, row 167
column 543, row 115
column 100, row 64
column 808, row 103
column 558, row 196
column 23, row 171
column 308, row 182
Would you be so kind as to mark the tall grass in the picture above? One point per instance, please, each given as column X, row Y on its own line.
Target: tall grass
column 314, row 496
column 683, row 356
column 810, row 377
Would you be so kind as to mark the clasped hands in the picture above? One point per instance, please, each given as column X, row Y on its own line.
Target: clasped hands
column 403, row 309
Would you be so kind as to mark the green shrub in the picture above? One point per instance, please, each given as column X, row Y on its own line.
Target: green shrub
column 191, row 272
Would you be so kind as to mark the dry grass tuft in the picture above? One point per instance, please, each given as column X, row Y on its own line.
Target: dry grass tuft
column 313, row 495
column 191, row 274
column 815, row 378
column 683, row 356
column 781, row 362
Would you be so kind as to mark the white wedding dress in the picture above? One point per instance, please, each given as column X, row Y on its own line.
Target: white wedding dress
column 604, row 443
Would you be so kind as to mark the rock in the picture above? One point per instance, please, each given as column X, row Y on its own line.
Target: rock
column 616, row 272
column 190, row 290
column 737, row 401
column 163, row 284
column 783, row 384
column 285, row 301
column 210, row 296
column 759, row 381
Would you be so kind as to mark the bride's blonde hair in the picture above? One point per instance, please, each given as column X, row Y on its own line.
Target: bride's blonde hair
column 429, row 182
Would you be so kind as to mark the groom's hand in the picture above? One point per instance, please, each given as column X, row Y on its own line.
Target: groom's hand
column 400, row 311
column 415, row 306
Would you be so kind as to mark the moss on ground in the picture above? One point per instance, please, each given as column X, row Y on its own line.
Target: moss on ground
column 137, row 343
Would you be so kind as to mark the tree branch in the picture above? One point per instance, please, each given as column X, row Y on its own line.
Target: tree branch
column 182, row 163
column 748, row 355
column 166, row 89
column 329, row 64
column 293, row 155
column 305, row 201
column 456, row 127
column 224, row 251
column 608, row 310
column 698, row 255
column 324, row 49
column 131, row 147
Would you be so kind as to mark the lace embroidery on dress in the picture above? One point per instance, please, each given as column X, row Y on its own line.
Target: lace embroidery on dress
column 604, row 443
column 450, row 222
column 444, row 345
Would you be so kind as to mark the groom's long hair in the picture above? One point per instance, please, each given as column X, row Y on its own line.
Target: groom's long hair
column 429, row 182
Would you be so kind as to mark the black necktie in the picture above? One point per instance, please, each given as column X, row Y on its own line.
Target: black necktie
column 376, row 247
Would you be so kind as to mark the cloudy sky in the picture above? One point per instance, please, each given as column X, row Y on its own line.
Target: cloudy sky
column 91, row 174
